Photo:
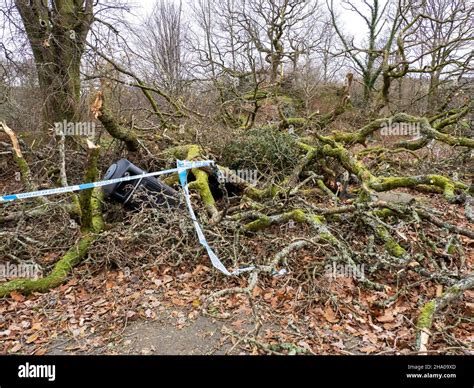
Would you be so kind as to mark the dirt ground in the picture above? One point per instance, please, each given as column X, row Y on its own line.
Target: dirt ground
column 161, row 337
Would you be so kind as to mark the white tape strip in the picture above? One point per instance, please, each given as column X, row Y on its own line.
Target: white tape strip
column 183, row 166
column 85, row 186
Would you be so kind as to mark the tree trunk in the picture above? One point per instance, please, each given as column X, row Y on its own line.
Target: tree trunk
column 57, row 34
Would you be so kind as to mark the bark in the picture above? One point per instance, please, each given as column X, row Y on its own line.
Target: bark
column 117, row 131
column 57, row 34
column 430, row 309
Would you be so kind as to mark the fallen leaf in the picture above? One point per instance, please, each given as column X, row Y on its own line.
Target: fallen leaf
column 368, row 349
column 339, row 345
column 16, row 296
column 40, row 352
column 388, row 316
column 109, row 284
column 330, row 315
column 267, row 295
column 439, row 290
column 32, row 338
column 178, row 302
column 257, row 291
column 238, row 323
column 15, row 349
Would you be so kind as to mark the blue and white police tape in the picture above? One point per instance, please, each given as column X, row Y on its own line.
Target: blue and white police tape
column 183, row 166
column 85, row 186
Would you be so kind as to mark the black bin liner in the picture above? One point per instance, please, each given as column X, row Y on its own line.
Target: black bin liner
column 133, row 193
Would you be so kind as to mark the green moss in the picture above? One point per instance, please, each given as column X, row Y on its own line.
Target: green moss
column 85, row 198
column 453, row 290
column 25, row 174
column 259, row 95
column 449, row 192
column 349, row 163
column 258, row 194
column 451, row 248
column 201, row 184
column 390, row 243
column 96, row 206
column 259, row 224
column 326, row 236
column 319, row 220
column 425, row 319
column 306, row 147
column 345, row 137
column 171, row 180
column 286, row 100
column 58, row 274
column 389, row 183
column 194, row 151
column 324, row 188
column 76, row 207
column 296, row 121
column 129, row 137
column 383, row 213
column 298, row 215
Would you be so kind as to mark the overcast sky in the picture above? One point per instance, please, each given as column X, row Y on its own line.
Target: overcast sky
column 350, row 21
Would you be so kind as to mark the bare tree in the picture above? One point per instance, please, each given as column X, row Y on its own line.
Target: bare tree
column 279, row 30
column 425, row 35
column 445, row 41
column 163, row 36
column 367, row 56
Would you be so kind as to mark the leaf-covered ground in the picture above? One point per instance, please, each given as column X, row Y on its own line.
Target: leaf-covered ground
column 114, row 311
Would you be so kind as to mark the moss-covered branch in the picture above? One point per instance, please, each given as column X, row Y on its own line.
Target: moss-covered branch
column 391, row 245
column 430, row 309
column 57, row 276
column 427, row 133
column 370, row 181
column 92, row 225
column 201, row 183
column 317, row 223
column 115, row 130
